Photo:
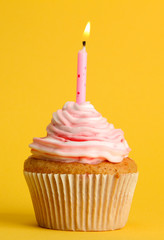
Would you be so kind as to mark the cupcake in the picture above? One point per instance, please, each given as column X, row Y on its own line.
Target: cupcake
column 80, row 176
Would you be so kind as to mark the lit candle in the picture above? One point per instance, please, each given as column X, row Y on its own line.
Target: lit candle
column 82, row 70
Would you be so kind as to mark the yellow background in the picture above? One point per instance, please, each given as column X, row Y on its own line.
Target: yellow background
column 39, row 41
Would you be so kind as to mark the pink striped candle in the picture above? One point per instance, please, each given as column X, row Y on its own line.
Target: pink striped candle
column 81, row 75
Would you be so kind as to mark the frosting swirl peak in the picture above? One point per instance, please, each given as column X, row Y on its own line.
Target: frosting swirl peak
column 78, row 133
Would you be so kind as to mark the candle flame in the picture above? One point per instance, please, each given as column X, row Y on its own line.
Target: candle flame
column 87, row 30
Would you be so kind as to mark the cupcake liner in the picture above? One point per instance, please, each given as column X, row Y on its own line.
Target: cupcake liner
column 81, row 202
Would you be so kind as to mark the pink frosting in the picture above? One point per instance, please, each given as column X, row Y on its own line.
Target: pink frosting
column 78, row 133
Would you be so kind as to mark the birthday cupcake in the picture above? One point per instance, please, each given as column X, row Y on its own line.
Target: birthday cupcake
column 80, row 176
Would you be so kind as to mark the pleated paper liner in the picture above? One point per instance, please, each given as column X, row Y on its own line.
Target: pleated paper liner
column 81, row 202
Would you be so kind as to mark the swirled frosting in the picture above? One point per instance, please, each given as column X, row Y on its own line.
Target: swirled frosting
column 78, row 133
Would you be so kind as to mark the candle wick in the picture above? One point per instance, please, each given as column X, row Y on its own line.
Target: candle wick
column 84, row 43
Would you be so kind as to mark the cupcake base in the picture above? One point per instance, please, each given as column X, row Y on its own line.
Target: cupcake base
column 81, row 202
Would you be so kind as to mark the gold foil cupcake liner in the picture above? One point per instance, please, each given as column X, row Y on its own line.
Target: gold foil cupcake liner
column 81, row 202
